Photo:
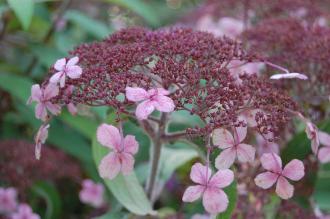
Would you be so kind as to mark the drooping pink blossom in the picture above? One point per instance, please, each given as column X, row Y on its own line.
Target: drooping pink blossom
column 120, row 159
column 324, row 152
column 232, row 147
column 24, row 212
column 66, row 69
column 209, row 188
column 43, row 97
column 264, row 146
column 294, row 170
column 8, row 202
column 149, row 101
column 92, row 193
column 289, row 76
column 40, row 139
column 313, row 134
column 71, row 107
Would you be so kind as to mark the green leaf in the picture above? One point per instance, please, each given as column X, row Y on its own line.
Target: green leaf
column 231, row 192
column 90, row 25
column 23, row 10
column 111, row 215
column 322, row 191
column 141, row 8
column 126, row 189
column 49, row 193
column 297, row 148
column 182, row 119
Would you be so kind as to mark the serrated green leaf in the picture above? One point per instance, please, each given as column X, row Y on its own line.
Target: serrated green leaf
column 23, row 10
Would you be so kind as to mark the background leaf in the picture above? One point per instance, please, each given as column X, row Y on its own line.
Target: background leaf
column 23, row 10
column 231, row 192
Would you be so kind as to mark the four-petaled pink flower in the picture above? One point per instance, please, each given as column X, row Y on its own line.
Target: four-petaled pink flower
column 70, row 69
column 121, row 158
column 313, row 134
column 151, row 100
column 209, row 187
column 43, row 97
column 24, row 212
column 92, row 193
column 324, row 152
column 8, row 201
column 40, row 139
column 294, row 170
column 232, row 147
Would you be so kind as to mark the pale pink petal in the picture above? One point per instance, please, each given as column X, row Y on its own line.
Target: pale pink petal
column 73, row 61
column 60, row 64
column 225, row 159
column 222, row 138
column 40, row 111
column 162, row 91
column 136, row 94
column 37, row 151
column 215, row 200
column 221, row 179
column 127, row 163
column 62, row 81
column 130, row 144
column 265, row 180
column 289, row 76
column 200, row 174
column 36, row 93
column 56, row 77
column 324, row 138
column 250, row 116
column 109, row 136
column 144, row 109
column 324, row 155
column 192, row 193
column 72, row 109
column 74, row 71
column 53, row 108
column 110, row 166
column 271, row 162
column 294, row 170
column 245, row 153
column 164, row 104
column 283, row 188
column 50, row 91
column 230, row 27
column 240, row 134
column 264, row 146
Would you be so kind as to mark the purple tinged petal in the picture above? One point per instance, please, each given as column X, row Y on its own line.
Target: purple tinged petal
column 265, row 180
column 36, row 93
column 53, row 108
column 72, row 109
column 324, row 155
column 136, row 94
column 74, row 72
column 162, row 91
column 40, row 139
column 192, row 193
column 271, row 162
column 294, row 170
column 222, row 138
column 50, row 91
column 62, row 80
column 110, row 166
column 144, row 109
column 40, row 111
column 60, row 64
column 245, row 153
column 55, row 78
column 164, row 104
column 109, row 136
column 221, row 179
column 215, row 200
column 92, row 193
column 324, row 138
column 73, row 61
column 130, row 144
column 289, row 76
column 240, row 134
column 200, row 174
column 127, row 163
column 225, row 159
column 283, row 188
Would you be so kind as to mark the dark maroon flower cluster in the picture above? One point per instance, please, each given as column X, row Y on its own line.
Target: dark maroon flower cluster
column 19, row 169
column 192, row 65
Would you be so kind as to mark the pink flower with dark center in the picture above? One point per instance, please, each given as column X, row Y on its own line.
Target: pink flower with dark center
column 120, row 159
column 40, row 139
column 313, row 134
column 294, row 170
column 264, row 146
column 209, row 188
column 152, row 99
column 66, row 69
column 24, row 212
column 232, row 147
column 324, row 152
column 8, row 201
column 43, row 98
column 92, row 193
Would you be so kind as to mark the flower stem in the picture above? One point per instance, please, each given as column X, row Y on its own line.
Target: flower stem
column 155, row 156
